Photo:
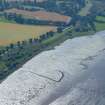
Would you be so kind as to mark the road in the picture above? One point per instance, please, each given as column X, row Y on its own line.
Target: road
column 86, row 9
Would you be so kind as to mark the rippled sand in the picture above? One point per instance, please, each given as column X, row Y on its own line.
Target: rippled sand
column 54, row 77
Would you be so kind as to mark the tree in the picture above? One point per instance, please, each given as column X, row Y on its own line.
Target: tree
column 30, row 41
column 7, row 48
column 11, row 45
column 18, row 44
column 59, row 29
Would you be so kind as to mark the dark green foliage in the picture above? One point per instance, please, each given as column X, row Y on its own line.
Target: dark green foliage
column 98, row 7
column 59, row 29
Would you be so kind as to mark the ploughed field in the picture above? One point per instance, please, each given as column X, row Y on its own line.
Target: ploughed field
column 11, row 33
column 40, row 15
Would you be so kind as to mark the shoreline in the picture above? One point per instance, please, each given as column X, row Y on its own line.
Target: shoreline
column 51, row 46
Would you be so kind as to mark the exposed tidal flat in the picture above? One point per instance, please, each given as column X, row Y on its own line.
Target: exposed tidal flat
column 70, row 74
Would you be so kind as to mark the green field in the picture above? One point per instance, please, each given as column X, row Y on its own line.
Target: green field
column 100, row 26
column 11, row 32
column 100, row 18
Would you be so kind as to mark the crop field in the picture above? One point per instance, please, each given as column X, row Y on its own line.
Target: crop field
column 41, row 15
column 11, row 32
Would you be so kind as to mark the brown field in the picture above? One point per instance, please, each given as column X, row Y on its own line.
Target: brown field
column 41, row 15
column 11, row 33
